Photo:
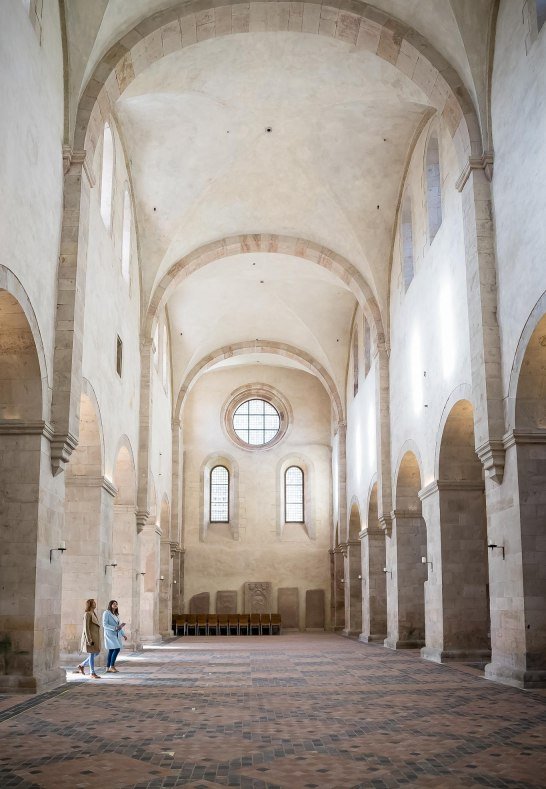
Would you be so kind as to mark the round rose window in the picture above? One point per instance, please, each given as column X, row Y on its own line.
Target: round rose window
column 256, row 422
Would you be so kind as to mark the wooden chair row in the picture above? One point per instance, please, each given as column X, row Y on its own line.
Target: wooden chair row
column 226, row 624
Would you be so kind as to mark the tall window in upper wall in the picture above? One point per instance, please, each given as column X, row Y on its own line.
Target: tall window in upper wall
column 107, row 176
column 219, row 495
column 541, row 13
column 293, row 495
column 434, row 189
column 165, row 354
column 367, row 347
column 355, row 363
column 126, row 237
column 406, row 233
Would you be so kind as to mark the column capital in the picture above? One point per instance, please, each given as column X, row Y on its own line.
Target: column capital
column 62, row 446
column 483, row 162
column 492, row 455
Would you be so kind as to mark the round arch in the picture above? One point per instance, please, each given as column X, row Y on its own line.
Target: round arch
column 124, row 471
column 461, row 392
column 261, row 346
column 409, row 447
column 271, row 243
column 537, row 313
column 188, row 23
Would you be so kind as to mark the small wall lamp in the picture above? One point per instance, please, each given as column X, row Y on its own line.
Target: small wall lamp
column 161, row 578
column 500, row 547
column 106, row 566
column 359, row 577
column 61, row 548
column 342, row 580
column 139, row 573
column 424, row 560
column 385, row 570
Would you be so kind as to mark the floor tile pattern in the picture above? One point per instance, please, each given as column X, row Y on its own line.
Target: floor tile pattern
column 296, row 712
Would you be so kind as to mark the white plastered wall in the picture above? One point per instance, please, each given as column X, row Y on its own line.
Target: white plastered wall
column 260, row 554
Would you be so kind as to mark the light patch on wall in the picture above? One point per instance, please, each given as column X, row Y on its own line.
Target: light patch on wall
column 371, row 436
column 358, row 450
column 448, row 343
column 416, row 367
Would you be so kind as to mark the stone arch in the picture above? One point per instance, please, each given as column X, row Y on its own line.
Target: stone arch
column 261, row 346
column 354, row 519
column 374, row 582
column 271, row 243
column 89, row 392
column 11, row 285
column 458, row 586
column 531, row 325
column 370, row 29
column 125, row 472
column 409, row 447
column 461, row 392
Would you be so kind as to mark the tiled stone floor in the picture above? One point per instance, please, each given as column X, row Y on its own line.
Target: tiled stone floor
column 297, row 711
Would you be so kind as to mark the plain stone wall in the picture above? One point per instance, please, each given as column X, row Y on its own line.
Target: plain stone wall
column 260, row 554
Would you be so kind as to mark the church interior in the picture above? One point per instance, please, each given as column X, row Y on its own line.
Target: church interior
column 273, row 360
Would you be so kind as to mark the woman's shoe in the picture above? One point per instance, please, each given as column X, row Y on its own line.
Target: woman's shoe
column 95, row 676
column 81, row 670
column 109, row 670
column 114, row 669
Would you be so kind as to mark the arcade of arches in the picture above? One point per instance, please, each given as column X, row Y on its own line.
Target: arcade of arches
column 273, row 323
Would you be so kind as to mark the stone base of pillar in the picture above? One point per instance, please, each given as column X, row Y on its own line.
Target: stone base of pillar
column 445, row 655
column 350, row 633
column 337, row 628
column 155, row 638
column 19, row 683
column 370, row 638
column 517, row 678
column 392, row 643
column 167, row 634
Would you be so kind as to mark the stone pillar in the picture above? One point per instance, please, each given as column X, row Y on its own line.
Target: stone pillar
column 71, row 277
column 456, row 600
column 353, row 589
column 165, row 588
column 145, row 416
column 125, row 584
column 338, row 590
column 481, row 283
column 178, row 579
column 374, row 587
column 31, row 514
column 87, row 532
column 405, row 578
column 149, row 551
column 383, row 434
column 516, row 519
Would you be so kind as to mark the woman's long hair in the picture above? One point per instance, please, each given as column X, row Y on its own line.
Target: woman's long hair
column 110, row 604
column 88, row 604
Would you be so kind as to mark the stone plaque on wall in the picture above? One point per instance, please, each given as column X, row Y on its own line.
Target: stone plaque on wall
column 258, row 597
column 314, row 609
column 226, row 602
column 288, row 605
column 200, row 603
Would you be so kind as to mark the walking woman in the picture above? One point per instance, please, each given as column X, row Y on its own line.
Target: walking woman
column 113, row 633
column 90, row 638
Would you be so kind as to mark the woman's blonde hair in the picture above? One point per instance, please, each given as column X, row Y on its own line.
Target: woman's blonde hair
column 88, row 605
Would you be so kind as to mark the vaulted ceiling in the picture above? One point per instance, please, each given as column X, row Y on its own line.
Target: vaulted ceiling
column 284, row 133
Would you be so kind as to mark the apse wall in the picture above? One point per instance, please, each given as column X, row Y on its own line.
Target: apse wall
column 518, row 112
column 429, row 356
column 291, row 555
column 31, row 162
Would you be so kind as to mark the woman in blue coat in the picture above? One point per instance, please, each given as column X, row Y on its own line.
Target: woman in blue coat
column 113, row 633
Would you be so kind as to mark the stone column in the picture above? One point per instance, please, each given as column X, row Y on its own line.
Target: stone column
column 165, row 588
column 481, row 283
column 88, row 535
column 353, row 589
column 405, row 578
column 71, row 277
column 383, row 434
column 338, row 590
column 149, row 551
column 517, row 578
column 374, row 587
column 178, row 579
column 125, row 584
column 145, row 416
column 456, row 602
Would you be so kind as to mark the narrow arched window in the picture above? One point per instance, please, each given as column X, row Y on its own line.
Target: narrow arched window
column 107, row 176
column 165, row 354
column 541, row 14
column 406, row 232
column 219, row 495
column 293, row 495
column 355, row 363
column 126, row 237
column 434, row 189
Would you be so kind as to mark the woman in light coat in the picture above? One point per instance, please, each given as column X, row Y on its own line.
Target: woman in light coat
column 113, row 634
column 90, row 642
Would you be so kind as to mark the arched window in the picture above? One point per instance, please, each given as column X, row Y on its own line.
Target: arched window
column 126, row 237
column 293, row 495
column 107, row 176
column 406, row 232
column 355, row 363
column 434, row 189
column 541, row 13
column 219, row 495
column 165, row 355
